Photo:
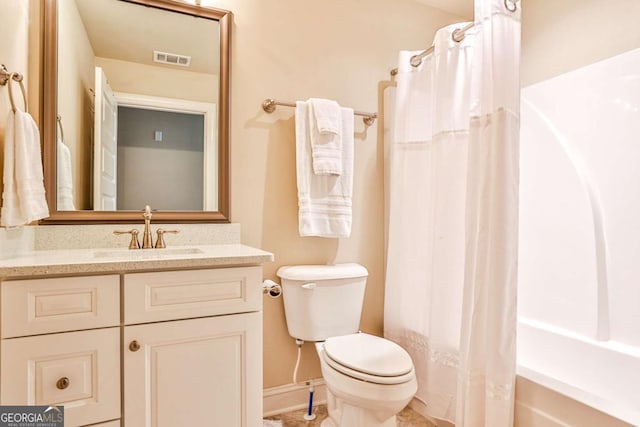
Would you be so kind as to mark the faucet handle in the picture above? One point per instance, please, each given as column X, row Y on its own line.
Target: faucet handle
column 134, row 243
column 160, row 244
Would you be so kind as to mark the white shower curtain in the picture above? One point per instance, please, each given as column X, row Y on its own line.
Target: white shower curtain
column 452, row 244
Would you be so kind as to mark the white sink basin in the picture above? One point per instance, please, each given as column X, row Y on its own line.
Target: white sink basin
column 137, row 254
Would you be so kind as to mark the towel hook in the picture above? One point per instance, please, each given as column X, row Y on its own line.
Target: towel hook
column 4, row 75
column 59, row 120
column 17, row 77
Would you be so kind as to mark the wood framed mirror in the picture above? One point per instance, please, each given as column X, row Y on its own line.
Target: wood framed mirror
column 135, row 111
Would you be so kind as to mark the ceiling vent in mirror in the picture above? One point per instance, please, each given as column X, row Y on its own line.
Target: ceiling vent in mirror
column 171, row 58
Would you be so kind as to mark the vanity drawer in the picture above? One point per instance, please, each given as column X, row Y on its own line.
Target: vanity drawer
column 79, row 370
column 169, row 295
column 40, row 306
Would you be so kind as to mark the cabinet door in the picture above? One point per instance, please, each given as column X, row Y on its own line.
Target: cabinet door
column 195, row 372
column 80, row 370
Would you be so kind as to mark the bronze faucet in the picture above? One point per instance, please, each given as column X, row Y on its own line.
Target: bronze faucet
column 134, row 243
column 147, row 240
column 160, row 244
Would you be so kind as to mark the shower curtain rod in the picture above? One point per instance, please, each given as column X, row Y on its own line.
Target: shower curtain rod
column 416, row 60
column 457, row 36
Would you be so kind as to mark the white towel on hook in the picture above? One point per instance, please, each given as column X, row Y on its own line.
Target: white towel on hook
column 23, row 198
column 325, row 121
column 324, row 201
column 64, row 179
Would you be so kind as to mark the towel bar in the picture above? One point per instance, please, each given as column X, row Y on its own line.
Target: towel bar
column 269, row 106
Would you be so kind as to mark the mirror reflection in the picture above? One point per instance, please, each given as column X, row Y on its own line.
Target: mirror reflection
column 137, row 108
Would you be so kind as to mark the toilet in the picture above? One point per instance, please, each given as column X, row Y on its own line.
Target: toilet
column 369, row 379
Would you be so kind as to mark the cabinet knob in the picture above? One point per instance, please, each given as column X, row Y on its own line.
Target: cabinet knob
column 134, row 345
column 62, row 383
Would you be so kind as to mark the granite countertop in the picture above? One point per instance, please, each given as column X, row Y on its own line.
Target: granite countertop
column 109, row 260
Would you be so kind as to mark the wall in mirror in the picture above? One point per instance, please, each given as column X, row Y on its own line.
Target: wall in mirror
column 149, row 64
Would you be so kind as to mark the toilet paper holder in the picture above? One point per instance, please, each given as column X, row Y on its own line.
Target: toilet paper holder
column 271, row 288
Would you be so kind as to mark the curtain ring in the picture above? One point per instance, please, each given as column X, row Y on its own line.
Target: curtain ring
column 59, row 120
column 415, row 61
column 457, row 36
column 511, row 6
column 17, row 77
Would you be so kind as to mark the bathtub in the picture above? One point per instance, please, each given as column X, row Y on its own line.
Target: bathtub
column 603, row 375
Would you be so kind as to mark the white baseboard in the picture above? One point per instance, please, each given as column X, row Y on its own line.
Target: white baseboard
column 291, row 397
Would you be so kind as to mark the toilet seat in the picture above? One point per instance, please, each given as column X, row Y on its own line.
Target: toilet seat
column 369, row 358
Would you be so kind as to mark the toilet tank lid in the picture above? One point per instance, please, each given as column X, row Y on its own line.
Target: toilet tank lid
column 322, row 272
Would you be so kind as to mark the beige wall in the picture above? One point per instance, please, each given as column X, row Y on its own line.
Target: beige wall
column 292, row 50
column 75, row 104
column 14, row 48
column 164, row 82
column 557, row 37
column 560, row 36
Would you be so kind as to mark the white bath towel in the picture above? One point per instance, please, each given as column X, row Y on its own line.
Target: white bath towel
column 325, row 122
column 324, row 201
column 327, row 114
column 64, row 178
column 23, row 197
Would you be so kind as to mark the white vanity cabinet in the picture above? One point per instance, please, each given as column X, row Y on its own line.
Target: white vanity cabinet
column 49, row 353
column 167, row 348
column 202, row 371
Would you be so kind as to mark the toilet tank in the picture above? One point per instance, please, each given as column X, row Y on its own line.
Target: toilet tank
column 321, row 301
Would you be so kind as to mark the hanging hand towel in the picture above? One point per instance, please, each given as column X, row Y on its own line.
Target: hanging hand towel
column 64, row 192
column 325, row 123
column 23, row 198
column 324, row 201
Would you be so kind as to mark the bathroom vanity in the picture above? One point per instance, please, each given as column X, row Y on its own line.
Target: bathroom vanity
column 135, row 338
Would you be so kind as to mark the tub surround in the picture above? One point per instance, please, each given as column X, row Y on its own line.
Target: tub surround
column 568, row 369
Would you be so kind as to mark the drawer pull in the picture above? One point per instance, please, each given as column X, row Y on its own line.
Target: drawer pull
column 62, row 383
column 134, row 345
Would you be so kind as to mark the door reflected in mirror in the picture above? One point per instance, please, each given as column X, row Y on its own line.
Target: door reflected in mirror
column 141, row 107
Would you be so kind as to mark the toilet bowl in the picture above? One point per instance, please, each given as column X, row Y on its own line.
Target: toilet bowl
column 369, row 379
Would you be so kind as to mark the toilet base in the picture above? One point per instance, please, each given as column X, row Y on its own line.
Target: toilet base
column 342, row 414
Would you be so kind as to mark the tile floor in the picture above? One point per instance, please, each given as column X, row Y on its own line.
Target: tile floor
column 407, row 418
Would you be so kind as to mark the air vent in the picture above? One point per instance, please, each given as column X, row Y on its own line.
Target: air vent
column 171, row 58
